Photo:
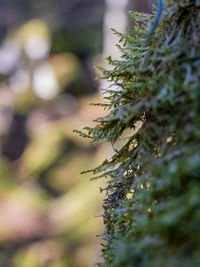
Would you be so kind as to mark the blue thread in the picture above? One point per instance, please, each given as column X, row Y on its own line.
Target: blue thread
column 160, row 5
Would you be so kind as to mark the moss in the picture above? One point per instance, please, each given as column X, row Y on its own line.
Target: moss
column 152, row 208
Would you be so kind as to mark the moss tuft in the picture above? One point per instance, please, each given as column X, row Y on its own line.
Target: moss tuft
column 152, row 208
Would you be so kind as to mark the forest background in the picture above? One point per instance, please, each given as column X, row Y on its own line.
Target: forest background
column 47, row 52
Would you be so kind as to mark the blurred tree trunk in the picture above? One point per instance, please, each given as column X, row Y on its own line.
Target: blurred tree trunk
column 141, row 5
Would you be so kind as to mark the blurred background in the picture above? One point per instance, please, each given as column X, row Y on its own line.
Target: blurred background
column 49, row 213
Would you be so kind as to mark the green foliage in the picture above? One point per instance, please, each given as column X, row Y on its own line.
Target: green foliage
column 152, row 208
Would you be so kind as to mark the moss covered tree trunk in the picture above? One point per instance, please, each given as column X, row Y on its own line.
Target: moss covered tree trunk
column 152, row 209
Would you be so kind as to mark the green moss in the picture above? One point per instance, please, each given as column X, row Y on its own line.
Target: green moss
column 152, row 209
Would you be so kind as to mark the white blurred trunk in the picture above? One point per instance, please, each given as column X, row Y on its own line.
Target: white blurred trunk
column 116, row 16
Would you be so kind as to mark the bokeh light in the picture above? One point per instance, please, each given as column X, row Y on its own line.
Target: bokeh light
column 50, row 213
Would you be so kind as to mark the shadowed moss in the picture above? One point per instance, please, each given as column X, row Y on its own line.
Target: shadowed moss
column 152, row 209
